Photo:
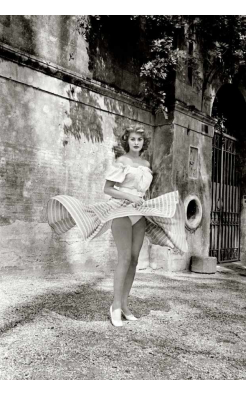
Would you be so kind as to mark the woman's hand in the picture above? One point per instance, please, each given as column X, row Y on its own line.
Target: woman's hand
column 135, row 199
column 118, row 194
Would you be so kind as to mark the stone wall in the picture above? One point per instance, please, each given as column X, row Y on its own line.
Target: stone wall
column 53, row 39
column 182, row 160
column 57, row 132
column 60, row 116
column 192, row 169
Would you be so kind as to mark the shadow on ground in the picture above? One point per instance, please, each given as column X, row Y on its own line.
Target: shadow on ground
column 233, row 268
column 84, row 303
column 57, row 327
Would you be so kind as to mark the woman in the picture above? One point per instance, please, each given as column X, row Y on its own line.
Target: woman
column 127, row 214
column 128, row 231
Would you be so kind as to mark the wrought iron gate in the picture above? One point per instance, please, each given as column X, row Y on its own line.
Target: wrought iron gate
column 225, row 211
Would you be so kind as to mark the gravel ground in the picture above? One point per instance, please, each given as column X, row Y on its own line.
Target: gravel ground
column 55, row 326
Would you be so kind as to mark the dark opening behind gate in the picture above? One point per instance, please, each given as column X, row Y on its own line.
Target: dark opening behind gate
column 225, row 213
column 229, row 111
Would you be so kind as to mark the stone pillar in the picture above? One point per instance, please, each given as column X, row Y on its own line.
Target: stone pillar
column 182, row 160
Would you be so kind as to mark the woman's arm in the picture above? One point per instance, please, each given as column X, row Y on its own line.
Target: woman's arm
column 111, row 191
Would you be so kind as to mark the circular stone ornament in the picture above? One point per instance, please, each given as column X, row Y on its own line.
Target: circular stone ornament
column 193, row 212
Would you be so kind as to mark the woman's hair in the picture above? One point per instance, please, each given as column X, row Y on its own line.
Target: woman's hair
column 135, row 129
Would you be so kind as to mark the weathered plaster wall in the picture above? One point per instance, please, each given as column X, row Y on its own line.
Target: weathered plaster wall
column 111, row 56
column 192, row 113
column 187, row 93
column 191, row 95
column 58, row 129
column 52, row 38
column 186, row 136
column 171, row 164
column 56, row 138
column 116, row 52
column 190, row 91
column 162, row 160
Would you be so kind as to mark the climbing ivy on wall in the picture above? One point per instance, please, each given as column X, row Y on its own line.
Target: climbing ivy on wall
column 220, row 39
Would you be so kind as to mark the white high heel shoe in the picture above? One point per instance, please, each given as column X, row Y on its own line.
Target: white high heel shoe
column 129, row 317
column 114, row 322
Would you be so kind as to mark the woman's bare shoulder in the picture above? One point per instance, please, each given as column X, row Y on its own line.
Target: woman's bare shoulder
column 123, row 159
column 127, row 161
column 146, row 163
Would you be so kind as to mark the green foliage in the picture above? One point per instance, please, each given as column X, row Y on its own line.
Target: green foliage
column 223, row 46
column 221, row 42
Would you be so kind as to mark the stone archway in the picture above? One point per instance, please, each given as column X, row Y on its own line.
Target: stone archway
column 229, row 110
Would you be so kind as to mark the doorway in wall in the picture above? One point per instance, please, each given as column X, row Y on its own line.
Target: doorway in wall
column 228, row 110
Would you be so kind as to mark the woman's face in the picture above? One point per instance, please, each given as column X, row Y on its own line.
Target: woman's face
column 135, row 141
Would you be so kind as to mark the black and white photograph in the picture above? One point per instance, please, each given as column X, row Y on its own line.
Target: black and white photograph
column 123, row 195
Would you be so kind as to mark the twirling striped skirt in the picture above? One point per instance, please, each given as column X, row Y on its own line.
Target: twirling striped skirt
column 164, row 217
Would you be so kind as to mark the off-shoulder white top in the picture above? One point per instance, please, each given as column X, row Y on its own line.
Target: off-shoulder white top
column 135, row 178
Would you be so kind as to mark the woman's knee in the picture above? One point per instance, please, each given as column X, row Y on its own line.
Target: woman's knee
column 125, row 259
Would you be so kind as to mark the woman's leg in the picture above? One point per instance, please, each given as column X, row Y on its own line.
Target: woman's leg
column 122, row 233
column 138, row 231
